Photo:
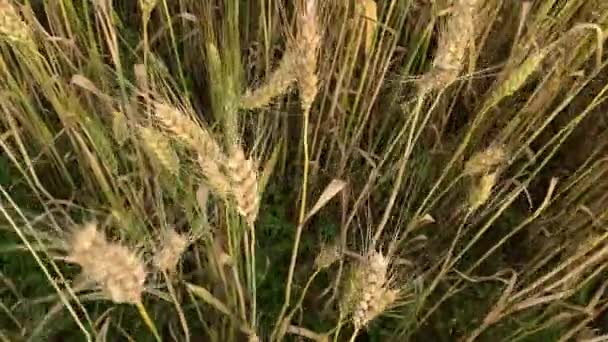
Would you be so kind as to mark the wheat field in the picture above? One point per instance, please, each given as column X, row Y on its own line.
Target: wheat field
column 324, row 170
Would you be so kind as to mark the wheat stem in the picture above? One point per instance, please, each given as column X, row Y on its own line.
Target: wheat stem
column 300, row 227
column 354, row 335
column 253, row 277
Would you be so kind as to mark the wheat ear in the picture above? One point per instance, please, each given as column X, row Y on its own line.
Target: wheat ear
column 518, row 77
column 480, row 191
column 171, row 247
column 243, row 177
column 307, row 45
column 452, row 46
column 187, row 130
column 12, row 27
column 210, row 156
column 327, row 256
column 119, row 272
column 369, row 293
column 278, row 83
column 485, row 161
column 159, row 149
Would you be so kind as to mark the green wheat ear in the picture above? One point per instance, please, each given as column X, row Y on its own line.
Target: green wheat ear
column 518, row 77
column 159, row 149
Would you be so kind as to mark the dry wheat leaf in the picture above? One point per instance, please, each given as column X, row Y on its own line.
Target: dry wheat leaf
column 209, row 298
column 330, row 191
column 88, row 85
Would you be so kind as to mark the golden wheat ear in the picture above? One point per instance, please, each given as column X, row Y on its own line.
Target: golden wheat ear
column 243, row 177
column 486, row 161
column 369, row 293
column 172, row 246
column 185, row 129
column 452, row 47
column 278, row 84
column 12, row 27
column 307, row 44
column 118, row 271
column 481, row 190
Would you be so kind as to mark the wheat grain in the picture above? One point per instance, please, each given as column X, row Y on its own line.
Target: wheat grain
column 159, row 148
column 243, row 177
column 172, row 246
column 12, row 27
column 117, row 270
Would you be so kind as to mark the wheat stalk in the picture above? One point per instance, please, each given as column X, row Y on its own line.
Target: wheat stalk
column 243, row 177
column 117, row 270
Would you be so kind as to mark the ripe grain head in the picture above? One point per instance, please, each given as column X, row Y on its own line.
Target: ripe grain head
column 243, row 177
column 12, row 27
column 172, row 246
column 118, row 271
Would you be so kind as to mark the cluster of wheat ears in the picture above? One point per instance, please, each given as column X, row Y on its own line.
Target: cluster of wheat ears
column 163, row 133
